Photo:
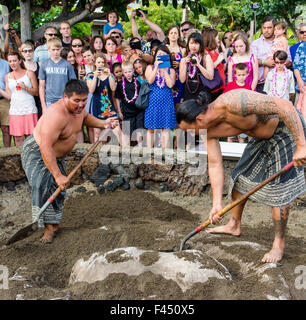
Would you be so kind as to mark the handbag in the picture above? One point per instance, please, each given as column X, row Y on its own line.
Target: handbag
column 214, row 84
column 142, row 101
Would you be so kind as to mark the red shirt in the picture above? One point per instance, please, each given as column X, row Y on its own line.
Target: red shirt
column 233, row 85
column 220, row 67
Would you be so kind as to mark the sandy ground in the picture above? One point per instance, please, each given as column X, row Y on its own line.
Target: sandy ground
column 127, row 229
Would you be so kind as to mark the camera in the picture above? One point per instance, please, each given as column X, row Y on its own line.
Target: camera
column 100, row 69
column 255, row 5
column 138, row 13
column 192, row 60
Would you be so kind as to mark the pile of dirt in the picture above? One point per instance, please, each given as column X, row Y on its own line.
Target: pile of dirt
column 101, row 223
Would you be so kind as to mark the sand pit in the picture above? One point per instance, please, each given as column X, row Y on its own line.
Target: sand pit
column 108, row 248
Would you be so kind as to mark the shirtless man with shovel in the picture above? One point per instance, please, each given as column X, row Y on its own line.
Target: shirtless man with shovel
column 278, row 133
column 44, row 151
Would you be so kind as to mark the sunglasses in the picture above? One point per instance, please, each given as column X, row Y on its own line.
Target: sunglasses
column 51, row 34
column 27, row 51
column 184, row 30
column 77, row 45
column 116, row 37
column 302, row 32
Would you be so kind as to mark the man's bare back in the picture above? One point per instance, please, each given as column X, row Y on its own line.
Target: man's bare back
column 63, row 125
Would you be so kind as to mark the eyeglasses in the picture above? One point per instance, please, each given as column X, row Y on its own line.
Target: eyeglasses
column 302, row 32
column 280, row 62
column 184, row 30
column 116, row 37
column 77, row 45
column 51, row 34
column 27, row 51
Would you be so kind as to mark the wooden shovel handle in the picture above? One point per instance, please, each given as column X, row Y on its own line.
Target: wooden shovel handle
column 246, row 195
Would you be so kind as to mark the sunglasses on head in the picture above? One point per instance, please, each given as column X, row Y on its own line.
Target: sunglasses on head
column 27, row 51
column 77, row 45
column 51, row 34
column 184, row 30
column 302, row 32
column 116, row 37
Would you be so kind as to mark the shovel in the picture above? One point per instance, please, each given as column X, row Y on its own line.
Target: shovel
column 186, row 246
column 234, row 204
column 31, row 228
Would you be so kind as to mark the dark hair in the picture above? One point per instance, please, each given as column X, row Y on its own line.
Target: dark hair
column 49, row 27
column 190, row 109
column 280, row 55
column 155, row 43
column 283, row 26
column 17, row 54
column 64, row 52
column 143, row 63
column 241, row 66
column 77, row 38
column 108, row 13
column 164, row 48
column 268, row 19
column 196, row 37
column 92, row 41
column 75, row 86
column 116, row 64
column 209, row 39
column 187, row 22
column 180, row 42
column 88, row 48
column 104, row 44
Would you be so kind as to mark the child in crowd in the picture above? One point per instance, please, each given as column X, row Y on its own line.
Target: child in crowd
column 140, row 69
column 54, row 73
column 127, row 92
column 241, row 74
column 112, row 18
column 280, row 81
column 101, row 83
column 117, row 71
column 241, row 53
column 280, row 42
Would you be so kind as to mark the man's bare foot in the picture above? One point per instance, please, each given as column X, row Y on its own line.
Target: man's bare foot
column 232, row 228
column 49, row 231
column 276, row 253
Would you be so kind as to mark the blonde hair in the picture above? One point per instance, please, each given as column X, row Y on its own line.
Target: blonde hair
column 102, row 56
column 126, row 65
column 27, row 44
column 56, row 42
column 125, row 44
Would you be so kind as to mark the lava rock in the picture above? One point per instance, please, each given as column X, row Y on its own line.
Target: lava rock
column 10, row 186
column 100, row 175
column 110, row 185
column 163, row 187
column 81, row 189
column 139, row 184
column 101, row 189
column 118, row 180
column 126, row 186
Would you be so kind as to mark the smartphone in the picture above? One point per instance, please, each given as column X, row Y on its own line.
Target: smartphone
column 166, row 61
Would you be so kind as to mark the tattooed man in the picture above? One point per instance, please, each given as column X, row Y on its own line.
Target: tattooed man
column 278, row 137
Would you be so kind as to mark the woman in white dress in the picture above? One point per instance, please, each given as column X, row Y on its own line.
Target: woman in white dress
column 20, row 87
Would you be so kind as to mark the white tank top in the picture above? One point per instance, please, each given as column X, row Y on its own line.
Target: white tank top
column 22, row 103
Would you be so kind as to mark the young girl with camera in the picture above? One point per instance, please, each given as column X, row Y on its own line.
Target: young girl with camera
column 197, row 62
column 101, row 83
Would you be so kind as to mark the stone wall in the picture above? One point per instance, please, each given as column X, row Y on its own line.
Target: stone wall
column 111, row 167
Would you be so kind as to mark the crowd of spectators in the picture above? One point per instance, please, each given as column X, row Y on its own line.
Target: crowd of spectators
column 177, row 65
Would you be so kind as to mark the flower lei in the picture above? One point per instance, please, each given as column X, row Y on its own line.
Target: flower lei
column 274, row 89
column 124, row 91
column 192, row 73
column 160, row 80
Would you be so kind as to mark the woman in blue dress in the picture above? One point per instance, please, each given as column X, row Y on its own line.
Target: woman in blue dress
column 101, row 83
column 160, row 113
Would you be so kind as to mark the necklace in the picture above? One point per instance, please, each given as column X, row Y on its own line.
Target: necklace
column 160, row 80
column 192, row 73
column 285, row 84
column 124, row 91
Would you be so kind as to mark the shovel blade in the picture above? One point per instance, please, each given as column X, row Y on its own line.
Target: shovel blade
column 23, row 233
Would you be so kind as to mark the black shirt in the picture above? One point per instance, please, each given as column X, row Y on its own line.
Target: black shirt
column 129, row 110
